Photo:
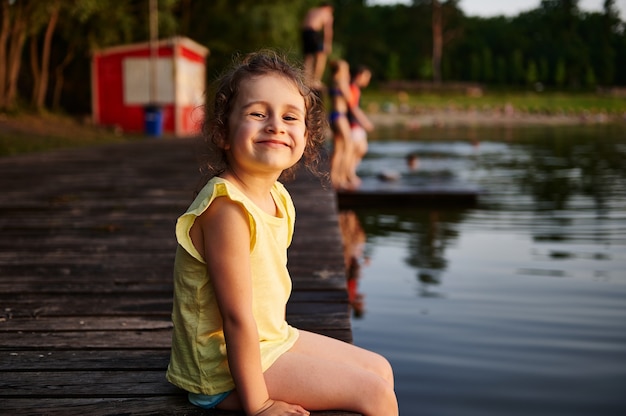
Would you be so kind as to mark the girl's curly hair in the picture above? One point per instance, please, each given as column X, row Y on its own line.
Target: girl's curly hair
column 215, row 125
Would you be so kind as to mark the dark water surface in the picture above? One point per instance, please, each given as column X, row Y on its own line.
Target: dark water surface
column 516, row 306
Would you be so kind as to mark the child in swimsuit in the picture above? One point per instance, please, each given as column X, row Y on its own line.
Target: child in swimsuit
column 342, row 156
column 360, row 124
column 232, row 348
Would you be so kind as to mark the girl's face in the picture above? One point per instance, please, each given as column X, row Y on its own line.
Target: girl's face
column 267, row 130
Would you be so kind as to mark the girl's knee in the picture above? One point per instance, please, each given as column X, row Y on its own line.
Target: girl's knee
column 381, row 400
column 382, row 367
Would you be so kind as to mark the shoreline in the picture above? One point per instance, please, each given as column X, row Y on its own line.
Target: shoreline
column 22, row 130
column 475, row 118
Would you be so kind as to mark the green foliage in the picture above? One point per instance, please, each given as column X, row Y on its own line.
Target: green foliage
column 517, row 67
column 426, row 69
column 487, row 64
column 590, row 78
column 544, row 70
column 560, row 73
column 532, row 75
column 393, row 67
column 475, row 67
column 501, row 70
column 555, row 44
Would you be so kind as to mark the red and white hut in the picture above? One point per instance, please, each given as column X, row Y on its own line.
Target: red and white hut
column 128, row 81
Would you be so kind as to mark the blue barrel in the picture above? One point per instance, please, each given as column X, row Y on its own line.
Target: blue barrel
column 153, row 120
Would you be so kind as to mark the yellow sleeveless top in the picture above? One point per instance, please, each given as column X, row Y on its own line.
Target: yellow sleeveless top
column 198, row 362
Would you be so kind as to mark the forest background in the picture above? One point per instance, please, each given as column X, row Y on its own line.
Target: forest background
column 46, row 46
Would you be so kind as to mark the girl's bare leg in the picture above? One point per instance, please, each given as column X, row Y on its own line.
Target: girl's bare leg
column 345, row 164
column 350, row 154
column 336, row 161
column 323, row 373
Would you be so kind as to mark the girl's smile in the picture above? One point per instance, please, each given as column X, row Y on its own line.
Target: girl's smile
column 267, row 130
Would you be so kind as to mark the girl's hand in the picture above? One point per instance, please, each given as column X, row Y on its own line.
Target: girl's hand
column 278, row 408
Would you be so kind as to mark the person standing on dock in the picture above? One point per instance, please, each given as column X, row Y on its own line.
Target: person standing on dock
column 360, row 124
column 232, row 348
column 342, row 155
column 317, row 42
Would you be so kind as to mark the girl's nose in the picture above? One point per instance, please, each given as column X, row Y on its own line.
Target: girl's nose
column 275, row 125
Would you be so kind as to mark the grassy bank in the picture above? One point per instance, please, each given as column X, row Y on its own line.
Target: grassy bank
column 29, row 133
column 545, row 103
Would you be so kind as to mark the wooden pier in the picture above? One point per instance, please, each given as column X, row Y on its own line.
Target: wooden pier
column 86, row 254
column 378, row 194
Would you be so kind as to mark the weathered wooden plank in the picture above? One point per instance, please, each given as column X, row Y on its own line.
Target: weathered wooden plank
column 407, row 196
column 336, row 320
column 85, row 323
column 51, row 304
column 56, row 279
column 120, row 304
column 80, row 287
column 91, row 383
column 137, row 339
column 158, row 405
column 43, row 359
column 159, row 270
column 152, row 406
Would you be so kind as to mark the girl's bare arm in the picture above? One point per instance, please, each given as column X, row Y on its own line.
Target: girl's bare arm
column 226, row 249
column 361, row 118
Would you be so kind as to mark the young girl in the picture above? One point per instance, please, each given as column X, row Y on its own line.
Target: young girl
column 232, row 348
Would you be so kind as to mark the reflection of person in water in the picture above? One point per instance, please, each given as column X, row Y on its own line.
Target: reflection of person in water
column 428, row 248
column 354, row 239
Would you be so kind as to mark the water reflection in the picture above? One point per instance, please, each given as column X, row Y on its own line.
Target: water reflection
column 558, row 167
column 559, row 184
column 428, row 232
column 353, row 237
column 517, row 305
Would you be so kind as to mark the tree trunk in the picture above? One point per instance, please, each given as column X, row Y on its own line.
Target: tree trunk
column 16, row 45
column 437, row 41
column 34, row 68
column 59, row 79
column 39, row 93
column 5, row 23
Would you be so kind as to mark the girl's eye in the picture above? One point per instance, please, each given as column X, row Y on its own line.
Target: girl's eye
column 290, row 118
column 257, row 114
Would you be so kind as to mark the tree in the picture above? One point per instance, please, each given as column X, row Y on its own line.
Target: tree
column 560, row 73
column 437, row 41
column 5, row 22
column 517, row 67
column 15, row 18
column 40, row 65
column 442, row 16
column 532, row 75
column 85, row 26
column 487, row 64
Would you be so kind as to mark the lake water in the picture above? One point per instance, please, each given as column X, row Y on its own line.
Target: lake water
column 516, row 306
